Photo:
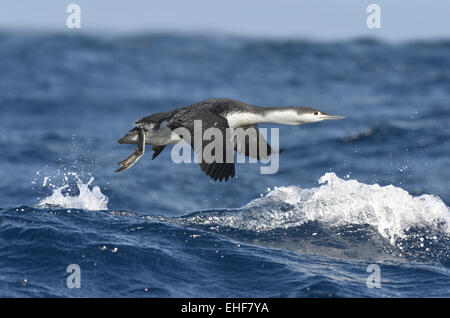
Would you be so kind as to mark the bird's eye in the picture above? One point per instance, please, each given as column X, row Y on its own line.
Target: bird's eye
column 316, row 113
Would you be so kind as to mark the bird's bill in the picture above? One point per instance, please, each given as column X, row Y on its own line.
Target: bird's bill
column 326, row 117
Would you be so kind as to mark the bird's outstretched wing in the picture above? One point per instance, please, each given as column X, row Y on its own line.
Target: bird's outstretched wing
column 157, row 150
column 221, row 169
column 250, row 142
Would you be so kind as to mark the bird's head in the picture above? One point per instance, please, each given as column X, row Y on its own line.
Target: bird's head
column 305, row 115
column 296, row 115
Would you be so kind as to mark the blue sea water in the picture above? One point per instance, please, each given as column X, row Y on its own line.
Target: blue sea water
column 372, row 189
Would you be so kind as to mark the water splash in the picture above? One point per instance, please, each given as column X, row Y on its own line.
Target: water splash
column 83, row 196
column 336, row 202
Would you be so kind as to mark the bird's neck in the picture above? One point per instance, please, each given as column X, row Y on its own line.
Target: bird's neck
column 264, row 115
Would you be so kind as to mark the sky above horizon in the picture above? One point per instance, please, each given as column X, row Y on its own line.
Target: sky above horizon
column 311, row 19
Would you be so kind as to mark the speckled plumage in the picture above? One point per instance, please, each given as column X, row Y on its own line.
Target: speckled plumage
column 219, row 106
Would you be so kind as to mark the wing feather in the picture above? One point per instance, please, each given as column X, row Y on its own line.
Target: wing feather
column 216, row 170
column 250, row 142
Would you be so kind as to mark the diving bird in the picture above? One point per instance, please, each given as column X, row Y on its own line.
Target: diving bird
column 160, row 129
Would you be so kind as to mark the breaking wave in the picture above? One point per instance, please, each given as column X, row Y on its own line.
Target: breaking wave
column 339, row 218
column 392, row 211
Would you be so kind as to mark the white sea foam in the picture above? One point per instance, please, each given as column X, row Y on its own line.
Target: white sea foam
column 337, row 202
column 89, row 197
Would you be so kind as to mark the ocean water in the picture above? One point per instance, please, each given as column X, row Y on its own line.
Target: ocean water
column 370, row 191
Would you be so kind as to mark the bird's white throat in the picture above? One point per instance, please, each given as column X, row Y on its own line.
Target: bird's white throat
column 282, row 116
